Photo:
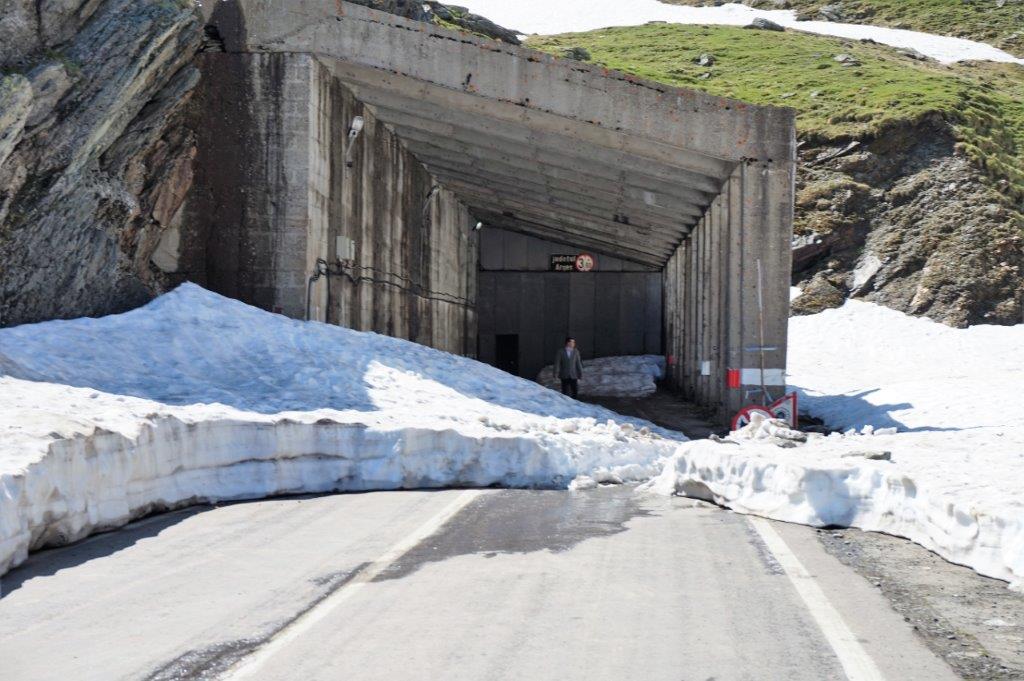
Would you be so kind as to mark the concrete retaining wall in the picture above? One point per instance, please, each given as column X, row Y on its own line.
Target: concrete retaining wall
column 416, row 250
column 255, row 219
column 273, row 191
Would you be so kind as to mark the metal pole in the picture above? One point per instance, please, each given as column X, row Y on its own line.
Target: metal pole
column 760, row 323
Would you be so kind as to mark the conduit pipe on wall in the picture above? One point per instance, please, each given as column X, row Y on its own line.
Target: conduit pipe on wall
column 321, row 270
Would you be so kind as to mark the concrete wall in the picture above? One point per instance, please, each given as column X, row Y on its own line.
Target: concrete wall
column 255, row 220
column 416, row 250
column 726, row 293
column 615, row 310
column 272, row 193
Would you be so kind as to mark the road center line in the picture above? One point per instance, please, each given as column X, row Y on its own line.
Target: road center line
column 856, row 662
column 251, row 664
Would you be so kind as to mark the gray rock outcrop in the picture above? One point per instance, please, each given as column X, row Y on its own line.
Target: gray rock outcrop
column 818, row 295
column 762, row 24
column 93, row 160
column 906, row 221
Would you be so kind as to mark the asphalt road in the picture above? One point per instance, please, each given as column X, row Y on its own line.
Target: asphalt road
column 490, row 584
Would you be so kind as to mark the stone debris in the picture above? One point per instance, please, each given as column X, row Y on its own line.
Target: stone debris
column 762, row 24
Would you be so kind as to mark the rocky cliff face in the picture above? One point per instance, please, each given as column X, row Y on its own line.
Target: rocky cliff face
column 94, row 162
column 906, row 221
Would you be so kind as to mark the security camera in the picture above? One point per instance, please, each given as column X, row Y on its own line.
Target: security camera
column 353, row 133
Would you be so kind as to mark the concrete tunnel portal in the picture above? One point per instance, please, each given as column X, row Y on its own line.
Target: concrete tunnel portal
column 337, row 139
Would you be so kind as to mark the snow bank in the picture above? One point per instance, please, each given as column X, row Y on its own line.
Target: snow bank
column 864, row 364
column 630, row 376
column 196, row 397
column 933, row 449
column 941, row 402
column 931, row 492
column 571, row 16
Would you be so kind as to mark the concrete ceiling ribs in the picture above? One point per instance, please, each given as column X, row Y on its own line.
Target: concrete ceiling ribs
column 549, row 147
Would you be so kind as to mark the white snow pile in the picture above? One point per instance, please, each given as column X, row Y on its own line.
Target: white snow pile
column 953, row 397
column 629, row 376
column 547, row 17
column 197, row 397
column 933, row 448
column 864, row 364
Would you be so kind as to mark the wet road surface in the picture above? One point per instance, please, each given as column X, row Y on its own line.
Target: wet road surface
column 489, row 584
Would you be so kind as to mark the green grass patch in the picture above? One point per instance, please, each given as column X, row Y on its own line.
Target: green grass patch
column 886, row 91
column 982, row 20
column 811, row 194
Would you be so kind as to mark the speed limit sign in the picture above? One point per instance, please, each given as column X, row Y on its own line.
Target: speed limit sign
column 584, row 262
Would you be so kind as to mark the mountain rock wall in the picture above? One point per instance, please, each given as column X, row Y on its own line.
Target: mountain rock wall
column 94, row 161
column 907, row 221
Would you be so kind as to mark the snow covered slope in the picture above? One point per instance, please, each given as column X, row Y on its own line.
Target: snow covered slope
column 956, row 480
column 630, row 376
column 864, row 364
column 938, row 451
column 198, row 397
column 548, row 17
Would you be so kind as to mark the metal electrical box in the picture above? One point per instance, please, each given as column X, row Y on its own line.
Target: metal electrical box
column 345, row 248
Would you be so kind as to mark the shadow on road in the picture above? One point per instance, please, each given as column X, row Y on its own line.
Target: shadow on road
column 49, row 562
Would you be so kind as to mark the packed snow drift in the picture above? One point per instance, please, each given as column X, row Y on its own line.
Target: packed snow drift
column 630, row 376
column 545, row 17
column 930, row 444
column 956, row 480
column 196, row 397
column 864, row 364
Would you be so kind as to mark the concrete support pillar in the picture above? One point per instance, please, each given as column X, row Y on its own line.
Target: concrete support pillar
column 732, row 355
column 730, row 319
column 259, row 202
column 764, row 287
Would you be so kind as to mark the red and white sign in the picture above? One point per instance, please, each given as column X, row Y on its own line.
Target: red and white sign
column 585, row 262
column 784, row 409
column 743, row 417
column 737, row 378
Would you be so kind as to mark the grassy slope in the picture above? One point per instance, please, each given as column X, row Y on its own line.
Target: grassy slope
column 834, row 102
column 979, row 20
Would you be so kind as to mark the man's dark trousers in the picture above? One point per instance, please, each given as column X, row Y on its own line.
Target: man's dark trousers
column 570, row 387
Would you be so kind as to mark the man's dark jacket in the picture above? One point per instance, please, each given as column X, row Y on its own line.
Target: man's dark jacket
column 569, row 366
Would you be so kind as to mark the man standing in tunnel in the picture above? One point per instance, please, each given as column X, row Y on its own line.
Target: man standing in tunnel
column 569, row 368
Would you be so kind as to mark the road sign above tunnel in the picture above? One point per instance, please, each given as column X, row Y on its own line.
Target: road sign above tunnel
column 581, row 262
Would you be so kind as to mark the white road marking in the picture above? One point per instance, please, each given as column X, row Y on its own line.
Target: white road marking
column 856, row 662
column 252, row 663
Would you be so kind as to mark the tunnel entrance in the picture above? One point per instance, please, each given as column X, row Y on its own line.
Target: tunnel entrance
column 394, row 176
column 612, row 309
